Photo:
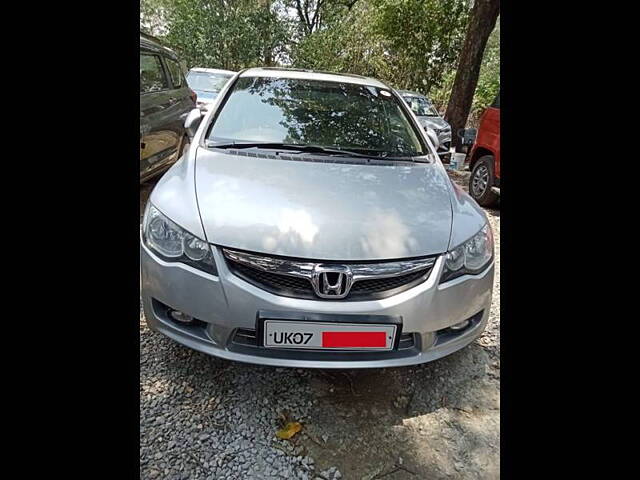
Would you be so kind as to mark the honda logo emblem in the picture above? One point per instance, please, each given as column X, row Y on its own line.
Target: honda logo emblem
column 332, row 281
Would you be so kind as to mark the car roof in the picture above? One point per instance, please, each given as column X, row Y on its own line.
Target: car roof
column 212, row 70
column 148, row 42
column 312, row 75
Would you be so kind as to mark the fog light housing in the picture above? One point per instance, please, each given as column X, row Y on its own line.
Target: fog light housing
column 460, row 326
column 181, row 317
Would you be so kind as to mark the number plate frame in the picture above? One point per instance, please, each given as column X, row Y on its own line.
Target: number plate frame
column 341, row 321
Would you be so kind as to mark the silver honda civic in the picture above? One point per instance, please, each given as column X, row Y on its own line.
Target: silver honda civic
column 311, row 224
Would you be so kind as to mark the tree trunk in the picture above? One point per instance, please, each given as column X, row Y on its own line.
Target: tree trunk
column 483, row 19
column 268, row 47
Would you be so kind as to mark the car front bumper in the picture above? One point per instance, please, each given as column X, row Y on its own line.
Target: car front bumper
column 225, row 303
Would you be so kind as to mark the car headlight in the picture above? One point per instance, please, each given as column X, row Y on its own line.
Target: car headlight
column 471, row 257
column 173, row 243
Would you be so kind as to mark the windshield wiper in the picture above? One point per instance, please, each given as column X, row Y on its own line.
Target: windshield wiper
column 301, row 148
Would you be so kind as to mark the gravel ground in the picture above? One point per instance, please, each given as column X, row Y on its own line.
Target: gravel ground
column 205, row 418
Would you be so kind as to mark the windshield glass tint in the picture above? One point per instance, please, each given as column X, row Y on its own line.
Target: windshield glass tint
column 421, row 106
column 312, row 112
column 207, row 82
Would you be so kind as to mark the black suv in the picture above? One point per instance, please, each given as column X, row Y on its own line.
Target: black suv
column 165, row 101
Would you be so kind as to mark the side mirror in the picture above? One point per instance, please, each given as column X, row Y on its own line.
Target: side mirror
column 192, row 122
column 433, row 136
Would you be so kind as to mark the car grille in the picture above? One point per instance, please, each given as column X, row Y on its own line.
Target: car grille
column 284, row 284
column 299, row 287
column 385, row 284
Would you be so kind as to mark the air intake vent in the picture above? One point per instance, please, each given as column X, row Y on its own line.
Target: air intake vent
column 244, row 153
column 245, row 336
column 322, row 158
column 407, row 340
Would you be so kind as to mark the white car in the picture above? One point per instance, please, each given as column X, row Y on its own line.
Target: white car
column 428, row 116
column 207, row 83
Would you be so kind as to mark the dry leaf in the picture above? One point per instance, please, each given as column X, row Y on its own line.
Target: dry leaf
column 289, row 430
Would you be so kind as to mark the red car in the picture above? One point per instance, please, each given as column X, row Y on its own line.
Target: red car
column 484, row 158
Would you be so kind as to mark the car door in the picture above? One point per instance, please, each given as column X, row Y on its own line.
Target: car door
column 182, row 100
column 496, row 129
column 159, row 139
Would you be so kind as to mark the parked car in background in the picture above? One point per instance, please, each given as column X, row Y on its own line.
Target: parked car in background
column 484, row 158
column 317, row 228
column 207, row 83
column 428, row 116
column 165, row 101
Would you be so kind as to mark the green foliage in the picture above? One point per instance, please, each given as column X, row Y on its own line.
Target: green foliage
column 348, row 43
column 152, row 16
column 229, row 34
column 488, row 82
column 409, row 44
column 441, row 94
column 423, row 39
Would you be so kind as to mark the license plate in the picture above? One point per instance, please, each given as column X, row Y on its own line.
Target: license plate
column 330, row 336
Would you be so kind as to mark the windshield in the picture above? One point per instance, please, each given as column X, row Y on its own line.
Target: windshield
column 421, row 106
column 207, row 82
column 312, row 112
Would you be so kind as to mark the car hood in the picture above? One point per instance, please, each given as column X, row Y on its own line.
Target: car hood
column 433, row 122
column 205, row 96
column 322, row 210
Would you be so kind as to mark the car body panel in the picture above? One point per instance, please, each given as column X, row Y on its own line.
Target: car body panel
column 487, row 141
column 175, row 196
column 329, row 211
column 440, row 126
column 437, row 123
column 468, row 217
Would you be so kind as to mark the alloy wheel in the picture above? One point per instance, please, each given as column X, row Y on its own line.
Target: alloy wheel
column 480, row 181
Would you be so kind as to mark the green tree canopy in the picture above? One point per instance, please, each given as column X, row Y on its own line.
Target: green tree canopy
column 409, row 44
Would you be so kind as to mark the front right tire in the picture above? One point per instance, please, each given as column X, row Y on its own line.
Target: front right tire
column 481, row 180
